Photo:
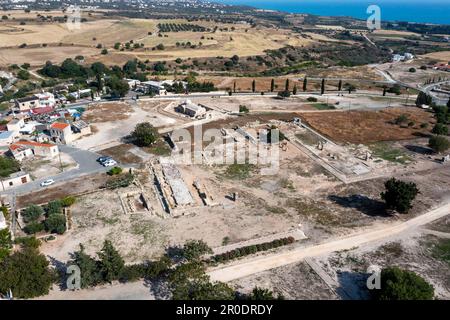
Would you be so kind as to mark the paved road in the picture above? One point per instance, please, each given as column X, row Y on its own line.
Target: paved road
column 264, row 263
column 87, row 164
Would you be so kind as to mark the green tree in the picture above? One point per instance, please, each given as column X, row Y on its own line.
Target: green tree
column 54, row 207
column 322, row 87
column 284, row 94
column 33, row 227
column 32, row 213
column 89, row 268
column 23, row 75
column 26, row 273
column 8, row 166
column 305, row 83
column 111, row 264
column 56, row 223
column 260, row 294
column 145, row 134
column 68, row 201
column 399, row 195
column 398, row 284
column 340, row 85
column 118, row 87
column 350, row 88
column 5, row 243
column 439, row 144
column 286, row 86
column 195, row 249
column 440, row 129
column 243, row 109
column 423, row 98
column 188, row 281
column 272, row 85
column 253, row 85
column 294, row 91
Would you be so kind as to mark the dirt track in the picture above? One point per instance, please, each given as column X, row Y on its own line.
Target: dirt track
column 249, row 267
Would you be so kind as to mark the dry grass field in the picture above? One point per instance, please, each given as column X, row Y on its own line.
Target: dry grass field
column 241, row 40
column 369, row 126
column 442, row 56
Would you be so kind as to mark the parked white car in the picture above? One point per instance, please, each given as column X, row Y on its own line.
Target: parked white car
column 109, row 163
column 47, row 182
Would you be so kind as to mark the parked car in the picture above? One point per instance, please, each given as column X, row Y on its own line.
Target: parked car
column 109, row 163
column 47, row 182
column 103, row 159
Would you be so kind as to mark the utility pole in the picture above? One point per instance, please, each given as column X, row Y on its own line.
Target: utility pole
column 60, row 162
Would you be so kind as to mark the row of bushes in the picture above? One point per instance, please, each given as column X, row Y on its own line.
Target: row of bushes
column 245, row 251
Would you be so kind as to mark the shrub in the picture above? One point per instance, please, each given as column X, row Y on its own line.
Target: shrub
column 56, row 223
column 399, row 195
column 68, row 201
column 439, row 144
column 440, row 129
column 115, row 171
column 32, row 213
column 311, row 99
column 33, row 227
column 28, row 242
column 54, row 207
column 398, row 284
column 133, row 272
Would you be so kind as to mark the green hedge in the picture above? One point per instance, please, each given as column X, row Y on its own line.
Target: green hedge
column 248, row 250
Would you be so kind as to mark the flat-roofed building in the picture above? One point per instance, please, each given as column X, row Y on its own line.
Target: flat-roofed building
column 14, row 180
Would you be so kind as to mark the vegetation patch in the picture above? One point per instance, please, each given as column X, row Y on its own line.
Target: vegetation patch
column 386, row 152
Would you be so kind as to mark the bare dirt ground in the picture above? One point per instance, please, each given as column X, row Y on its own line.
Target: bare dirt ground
column 294, row 282
column 39, row 167
column 414, row 253
column 114, row 121
column 367, row 127
column 400, row 71
column 107, row 112
column 73, row 187
column 442, row 56
column 122, row 154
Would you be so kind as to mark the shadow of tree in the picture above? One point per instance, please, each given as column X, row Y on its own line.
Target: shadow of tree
column 366, row 205
column 419, row 149
column 352, row 285
column 159, row 288
column 60, row 268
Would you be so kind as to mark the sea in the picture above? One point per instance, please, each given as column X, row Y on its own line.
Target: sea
column 430, row 11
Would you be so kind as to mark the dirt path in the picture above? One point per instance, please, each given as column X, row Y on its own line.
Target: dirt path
column 138, row 290
column 259, row 264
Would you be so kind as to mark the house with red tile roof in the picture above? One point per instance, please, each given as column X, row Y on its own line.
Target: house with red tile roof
column 61, row 132
column 23, row 149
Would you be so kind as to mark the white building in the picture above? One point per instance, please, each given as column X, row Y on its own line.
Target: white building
column 191, row 109
column 61, row 132
column 14, row 180
column 46, row 99
column 15, row 124
column 154, row 87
